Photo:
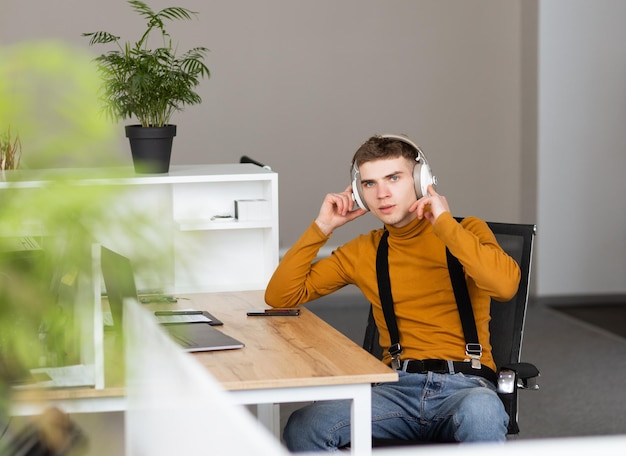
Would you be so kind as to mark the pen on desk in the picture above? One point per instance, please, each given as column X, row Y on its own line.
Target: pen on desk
column 177, row 312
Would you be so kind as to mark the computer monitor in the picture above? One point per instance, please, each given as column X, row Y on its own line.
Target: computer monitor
column 67, row 336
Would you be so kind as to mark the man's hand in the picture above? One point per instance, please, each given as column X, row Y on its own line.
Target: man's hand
column 337, row 210
column 431, row 206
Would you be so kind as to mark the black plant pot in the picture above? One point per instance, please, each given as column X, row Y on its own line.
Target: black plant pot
column 151, row 147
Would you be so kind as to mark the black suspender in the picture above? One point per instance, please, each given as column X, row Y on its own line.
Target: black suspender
column 386, row 300
column 473, row 349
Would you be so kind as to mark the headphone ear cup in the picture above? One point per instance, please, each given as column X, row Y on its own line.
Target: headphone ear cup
column 422, row 178
column 357, row 196
column 417, row 180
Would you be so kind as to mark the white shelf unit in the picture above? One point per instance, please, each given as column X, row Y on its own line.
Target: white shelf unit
column 209, row 253
column 225, row 254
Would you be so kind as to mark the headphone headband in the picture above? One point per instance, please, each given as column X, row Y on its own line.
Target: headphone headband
column 402, row 138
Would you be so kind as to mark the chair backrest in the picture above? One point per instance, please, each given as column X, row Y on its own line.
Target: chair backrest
column 507, row 318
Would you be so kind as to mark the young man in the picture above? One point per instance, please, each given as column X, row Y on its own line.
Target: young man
column 454, row 402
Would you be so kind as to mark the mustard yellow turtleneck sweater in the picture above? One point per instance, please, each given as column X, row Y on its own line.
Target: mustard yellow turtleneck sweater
column 425, row 307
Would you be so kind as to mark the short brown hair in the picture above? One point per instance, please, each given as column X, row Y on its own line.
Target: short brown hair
column 380, row 148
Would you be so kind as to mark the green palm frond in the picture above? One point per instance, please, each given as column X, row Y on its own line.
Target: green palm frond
column 101, row 38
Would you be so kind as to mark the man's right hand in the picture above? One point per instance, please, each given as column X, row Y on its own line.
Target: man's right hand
column 337, row 210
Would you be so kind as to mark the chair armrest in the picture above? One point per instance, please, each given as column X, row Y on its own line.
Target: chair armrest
column 525, row 373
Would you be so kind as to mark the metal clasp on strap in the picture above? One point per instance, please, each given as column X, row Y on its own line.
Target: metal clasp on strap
column 474, row 351
column 395, row 350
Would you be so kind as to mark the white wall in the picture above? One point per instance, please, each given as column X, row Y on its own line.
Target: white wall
column 582, row 148
column 299, row 84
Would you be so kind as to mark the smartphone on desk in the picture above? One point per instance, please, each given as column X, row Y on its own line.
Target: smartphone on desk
column 273, row 312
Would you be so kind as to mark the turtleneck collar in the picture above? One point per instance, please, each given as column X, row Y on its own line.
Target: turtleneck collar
column 412, row 229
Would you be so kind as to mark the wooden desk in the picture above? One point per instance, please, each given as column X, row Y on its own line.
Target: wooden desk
column 285, row 359
column 290, row 359
column 70, row 400
column 111, row 398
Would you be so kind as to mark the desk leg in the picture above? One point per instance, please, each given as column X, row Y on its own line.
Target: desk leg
column 361, row 430
column 269, row 416
column 361, row 408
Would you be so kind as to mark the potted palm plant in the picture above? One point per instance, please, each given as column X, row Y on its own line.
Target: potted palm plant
column 150, row 84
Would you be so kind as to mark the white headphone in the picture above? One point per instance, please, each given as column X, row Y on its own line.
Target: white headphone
column 422, row 174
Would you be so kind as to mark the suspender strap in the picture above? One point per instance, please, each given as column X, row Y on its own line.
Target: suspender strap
column 473, row 349
column 386, row 299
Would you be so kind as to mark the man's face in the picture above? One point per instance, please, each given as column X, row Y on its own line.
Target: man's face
column 389, row 190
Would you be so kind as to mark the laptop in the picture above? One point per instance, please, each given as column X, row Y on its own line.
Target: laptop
column 192, row 336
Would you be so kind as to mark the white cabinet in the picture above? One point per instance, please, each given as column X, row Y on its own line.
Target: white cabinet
column 214, row 251
column 192, row 210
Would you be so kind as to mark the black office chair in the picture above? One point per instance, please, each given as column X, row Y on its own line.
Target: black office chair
column 507, row 325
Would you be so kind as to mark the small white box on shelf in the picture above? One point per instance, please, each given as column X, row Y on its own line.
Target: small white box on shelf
column 252, row 209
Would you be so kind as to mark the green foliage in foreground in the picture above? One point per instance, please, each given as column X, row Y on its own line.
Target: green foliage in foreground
column 60, row 217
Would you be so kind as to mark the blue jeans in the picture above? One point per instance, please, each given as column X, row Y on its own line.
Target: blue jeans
column 425, row 407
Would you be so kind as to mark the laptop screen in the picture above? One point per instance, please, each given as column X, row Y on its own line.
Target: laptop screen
column 119, row 282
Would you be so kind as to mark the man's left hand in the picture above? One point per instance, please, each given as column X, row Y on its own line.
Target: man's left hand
column 431, row 206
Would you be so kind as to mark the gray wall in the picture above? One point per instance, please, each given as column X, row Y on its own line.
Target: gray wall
column 300, row 84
